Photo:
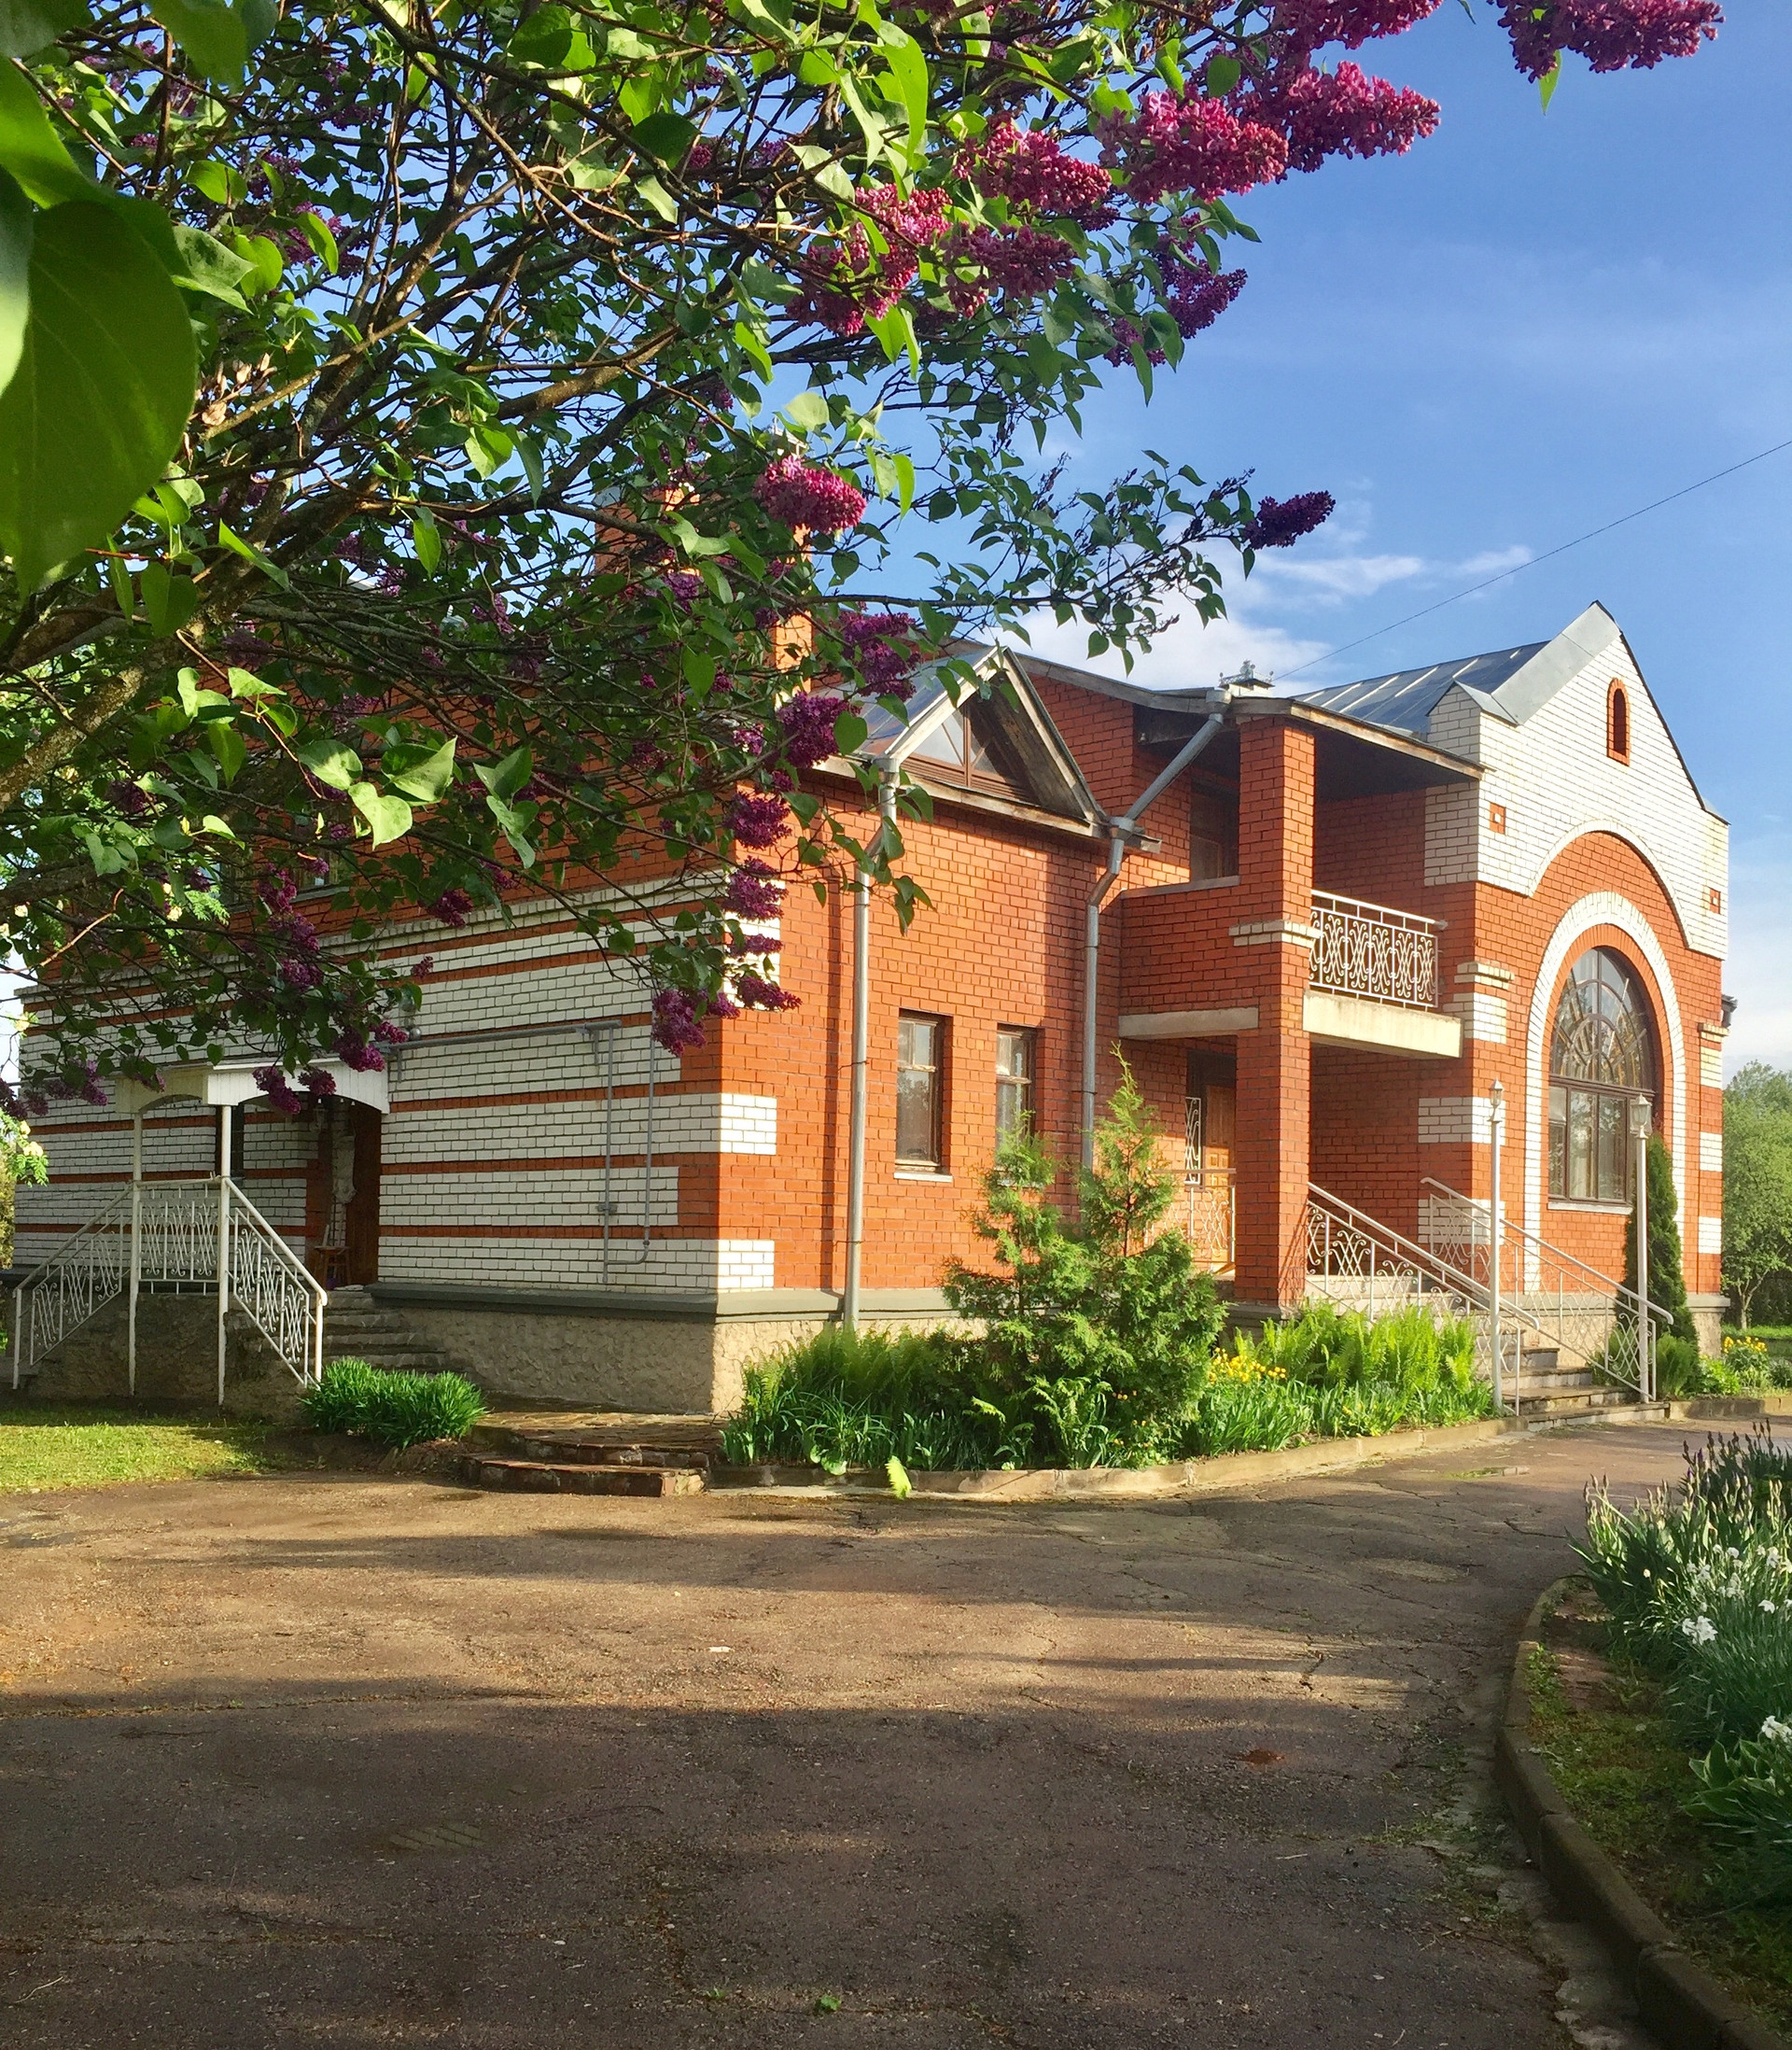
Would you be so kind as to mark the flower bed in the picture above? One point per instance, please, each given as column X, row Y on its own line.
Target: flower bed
column 1669, row 1728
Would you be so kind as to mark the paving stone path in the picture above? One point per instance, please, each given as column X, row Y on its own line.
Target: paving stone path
column 322, row 1761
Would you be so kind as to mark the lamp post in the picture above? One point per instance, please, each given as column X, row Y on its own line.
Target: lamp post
column 1641, row 1123
column 1496, row 1244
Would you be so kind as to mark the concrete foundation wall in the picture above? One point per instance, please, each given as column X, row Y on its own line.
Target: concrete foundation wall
column 176, row 1360
column 682, row 1366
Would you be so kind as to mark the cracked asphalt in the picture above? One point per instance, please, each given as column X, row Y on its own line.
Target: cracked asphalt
column 325, row 1759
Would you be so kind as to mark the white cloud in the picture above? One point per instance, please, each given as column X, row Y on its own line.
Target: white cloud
column 1339, row 577
column 1758, row 973
column 1184, row 657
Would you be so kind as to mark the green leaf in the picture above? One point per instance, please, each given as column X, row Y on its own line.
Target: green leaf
column 488, row 449
column 1547, row 85
column 103, row 391
column 387, row 818
column 316, row 230
column 330, row 762
column 850, row 732
column 266, row 564
column 30, row 149
column 26, row 26
column 1223, row 74
column 219, row 182
column 505, row 778
column 15, row 275
column 264, row 260
column 908, row 71
column 168, row 601
column 528, row 453
column 122, row 594
column 543, row 39
column 229, row 746
column 664, row 136
column 658, row 197
column 515, row 821
column 895, row 329
column 420, row 771
column 426, row 537
column 211, row 33
column 209, row 267
column 832, row 177
column 807, row 411
column 905, row 480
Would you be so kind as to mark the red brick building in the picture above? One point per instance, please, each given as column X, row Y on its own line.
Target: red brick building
column 1337, row 922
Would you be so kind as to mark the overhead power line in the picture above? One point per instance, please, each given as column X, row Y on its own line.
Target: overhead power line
column 1488, row 582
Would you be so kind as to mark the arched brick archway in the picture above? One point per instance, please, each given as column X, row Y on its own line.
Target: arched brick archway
column 1579, row 927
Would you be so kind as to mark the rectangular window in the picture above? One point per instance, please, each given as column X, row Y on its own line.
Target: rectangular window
column 1213, row 833
column 1017, row 1065
column 920, row 1075
column 1589, row 1145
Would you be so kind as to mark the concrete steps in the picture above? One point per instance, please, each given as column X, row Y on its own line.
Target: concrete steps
column 357, row 1328
column 630, row 1456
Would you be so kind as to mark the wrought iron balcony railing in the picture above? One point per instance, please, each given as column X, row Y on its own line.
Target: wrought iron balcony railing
column 1369, row 950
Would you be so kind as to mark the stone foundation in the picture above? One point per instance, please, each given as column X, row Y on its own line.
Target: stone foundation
column 176, row 1360
column 615, row 1352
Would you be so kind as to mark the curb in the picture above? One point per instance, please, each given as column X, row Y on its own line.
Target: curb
column 1679, row 2002
column 1185, row 1477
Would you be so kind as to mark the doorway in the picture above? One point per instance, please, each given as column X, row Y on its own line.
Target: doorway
column 342, row 1195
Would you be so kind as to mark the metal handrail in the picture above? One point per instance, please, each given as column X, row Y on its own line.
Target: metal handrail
column 1597, row 1334
column 294, row 1327
column 1375, row 1231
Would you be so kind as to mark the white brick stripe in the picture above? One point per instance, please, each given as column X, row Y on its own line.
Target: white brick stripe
column 1711, row 1152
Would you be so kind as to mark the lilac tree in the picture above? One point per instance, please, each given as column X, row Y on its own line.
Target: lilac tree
column 453, row 449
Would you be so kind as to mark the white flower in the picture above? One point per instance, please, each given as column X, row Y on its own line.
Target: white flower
column 1701, row 1629
column 1776, row 1732
column 1770, row 1608
column 1733, row 1552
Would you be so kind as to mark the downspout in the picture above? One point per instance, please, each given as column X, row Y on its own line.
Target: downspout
column 861, row 1066
column 1119, row 832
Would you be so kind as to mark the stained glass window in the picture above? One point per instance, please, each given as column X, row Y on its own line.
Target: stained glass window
column 1601, row 1055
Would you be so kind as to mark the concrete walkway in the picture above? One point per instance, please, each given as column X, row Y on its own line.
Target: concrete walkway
column 321, row 1760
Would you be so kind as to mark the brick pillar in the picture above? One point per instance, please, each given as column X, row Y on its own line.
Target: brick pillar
column 1275, row 1062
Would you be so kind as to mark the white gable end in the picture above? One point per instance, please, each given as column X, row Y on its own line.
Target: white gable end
column 1555, row 781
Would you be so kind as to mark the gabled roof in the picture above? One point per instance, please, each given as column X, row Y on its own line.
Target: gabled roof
column 1511, row 683
column 1012, row 709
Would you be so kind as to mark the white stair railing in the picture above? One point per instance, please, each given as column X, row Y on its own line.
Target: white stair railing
column 1584, row 1312
column 83, row 1274
column 177, row 1247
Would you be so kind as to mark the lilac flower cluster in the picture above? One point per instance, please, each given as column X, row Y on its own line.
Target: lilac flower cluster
column 319, row 1081
column 757, row 821
column 808, row 720
column 1280, row 523
column 452, row 907
column 881, row 646
column 753, row 891
column 127, row 796
column 1343, row 113
column 848, row 281
column 1026, row 262
column 759, row 994
column 274, row 1085
column 805, row 495
column 674, row 1021
column 1611, row 35
column 1186, row 143
column 354, row 1052
column 1028, row 168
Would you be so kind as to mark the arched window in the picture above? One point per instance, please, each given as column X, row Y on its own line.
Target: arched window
column 1618, row 723
column 1601, row 1057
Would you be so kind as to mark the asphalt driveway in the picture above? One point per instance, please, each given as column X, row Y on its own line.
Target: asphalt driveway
column 324, row 1760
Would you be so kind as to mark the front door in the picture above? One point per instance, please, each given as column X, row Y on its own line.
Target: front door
column 342, row 1195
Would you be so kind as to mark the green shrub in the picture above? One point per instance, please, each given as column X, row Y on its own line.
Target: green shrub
column 392, row 1409
column 1678, row 1369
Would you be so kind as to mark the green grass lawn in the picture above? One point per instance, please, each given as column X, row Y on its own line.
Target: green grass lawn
column 45, row 1446
column 1624, row 1776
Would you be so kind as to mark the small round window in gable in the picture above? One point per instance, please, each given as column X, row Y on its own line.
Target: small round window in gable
column 1617, row 722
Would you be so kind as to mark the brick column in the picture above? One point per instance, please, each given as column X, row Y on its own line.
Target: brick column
column 1275, row 1062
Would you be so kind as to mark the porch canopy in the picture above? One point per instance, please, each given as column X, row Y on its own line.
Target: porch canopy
column 232, row 1082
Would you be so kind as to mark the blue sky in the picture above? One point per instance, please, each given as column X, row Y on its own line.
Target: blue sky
column 1533, row 323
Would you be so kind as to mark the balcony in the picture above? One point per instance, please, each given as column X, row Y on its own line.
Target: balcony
column 1374, row 979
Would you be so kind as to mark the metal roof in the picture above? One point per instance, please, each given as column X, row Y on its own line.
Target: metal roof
column 1406, row 699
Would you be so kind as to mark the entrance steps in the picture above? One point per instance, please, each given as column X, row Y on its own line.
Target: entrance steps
column 592, row 1454
column 357, row 1328
column 1547, row 1388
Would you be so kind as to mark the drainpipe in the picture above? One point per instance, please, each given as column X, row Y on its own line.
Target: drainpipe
column 861, row 1066
column 1119, row 830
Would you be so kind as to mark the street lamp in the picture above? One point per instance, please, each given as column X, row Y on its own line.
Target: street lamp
column 1641, row 1123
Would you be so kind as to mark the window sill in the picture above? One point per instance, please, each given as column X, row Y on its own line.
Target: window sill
column 1604, row 1210
column 922, row 1174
